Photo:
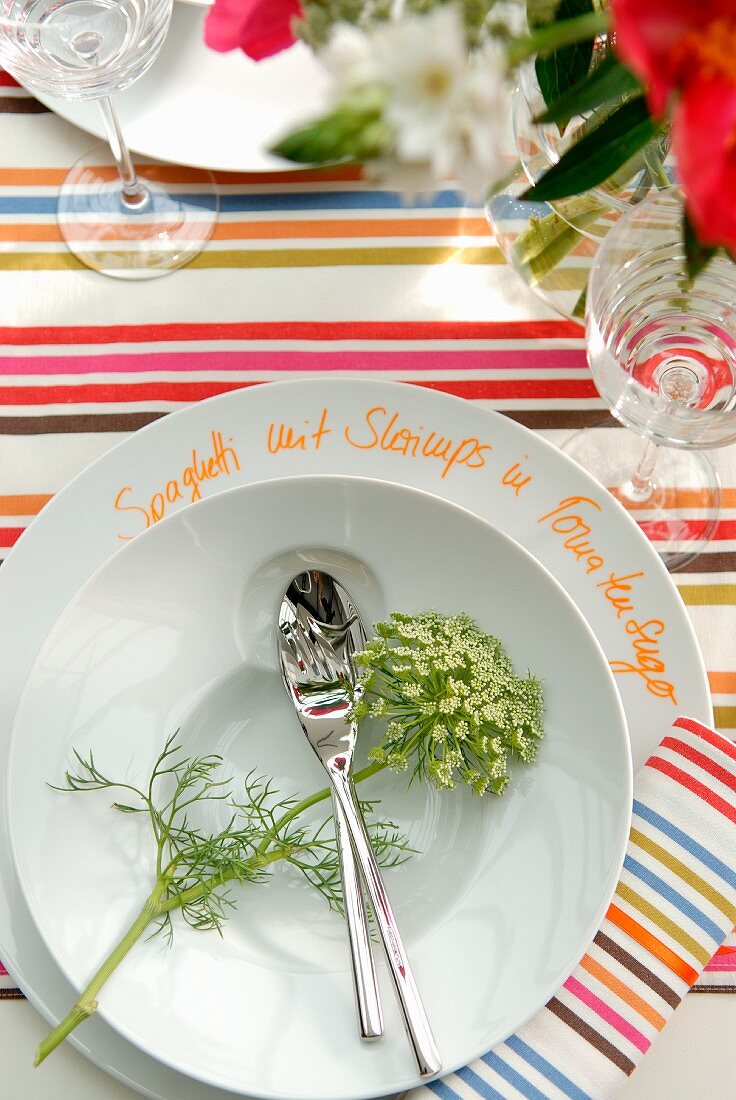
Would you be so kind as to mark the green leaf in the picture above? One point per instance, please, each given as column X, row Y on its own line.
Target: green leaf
column 597, row 155
column 697, row 254
column 341, row 135
column 607, row 83
column 559, row 70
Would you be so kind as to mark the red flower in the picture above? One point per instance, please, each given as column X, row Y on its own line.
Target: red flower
column 684, row 51
column 258, row 27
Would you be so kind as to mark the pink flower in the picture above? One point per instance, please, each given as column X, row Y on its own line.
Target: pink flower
column 684, row 52
column 258, row 27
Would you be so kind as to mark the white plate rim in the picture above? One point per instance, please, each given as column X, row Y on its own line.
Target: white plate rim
column 118, row 1055
column 626, row 789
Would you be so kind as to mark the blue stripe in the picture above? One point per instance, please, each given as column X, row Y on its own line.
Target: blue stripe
column 521, row 1084
column 541, row 1065
column 341, row 200
column 707, row 858
column 674, row 897
column 470, row 1077
column 443, row 1090
column 262, row 203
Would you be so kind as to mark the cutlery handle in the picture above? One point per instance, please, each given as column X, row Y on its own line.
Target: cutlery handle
column 367, row 999
column 415, row 1017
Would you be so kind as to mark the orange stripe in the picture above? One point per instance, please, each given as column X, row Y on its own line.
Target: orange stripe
column 627, row 995
column 369, row 227
column 655, row 947
column 303, row 229
column 726, row 951
column 52, row 177
column 687, row 498
column 722, row 682
column 27, row 505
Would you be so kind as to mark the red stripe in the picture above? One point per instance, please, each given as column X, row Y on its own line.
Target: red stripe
column 135, row 391
column 523, row 388
column 294, row 330
column 657, row 530
column 709, row 735
column 7, row 81
column 705, row 762
column 197, row 391
column 693, row 785
column 10, row 535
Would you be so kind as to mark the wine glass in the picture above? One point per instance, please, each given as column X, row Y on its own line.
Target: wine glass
column 662, row 352
column 118, row 218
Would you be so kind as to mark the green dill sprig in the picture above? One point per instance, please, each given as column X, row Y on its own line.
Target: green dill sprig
column 454, row 708
column 195, row 870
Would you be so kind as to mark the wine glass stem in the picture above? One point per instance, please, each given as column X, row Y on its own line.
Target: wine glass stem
column 134, row 194
column 638, row 487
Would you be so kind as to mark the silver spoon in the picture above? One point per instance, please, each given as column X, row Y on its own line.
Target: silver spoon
column 328, row 622
column 312, row 654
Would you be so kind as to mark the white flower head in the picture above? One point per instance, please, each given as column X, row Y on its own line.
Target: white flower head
column 350, row 57
column 447, row 108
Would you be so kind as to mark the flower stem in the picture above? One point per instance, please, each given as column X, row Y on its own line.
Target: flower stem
column 86, row 1004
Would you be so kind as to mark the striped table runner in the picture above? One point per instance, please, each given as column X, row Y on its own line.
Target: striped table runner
column 674, row 902
column 309, row 272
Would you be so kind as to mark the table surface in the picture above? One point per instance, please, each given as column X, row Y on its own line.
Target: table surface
column 416, row 282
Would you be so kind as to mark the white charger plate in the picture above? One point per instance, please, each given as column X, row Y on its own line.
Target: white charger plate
column 178, row 631
column 82, row 527
column 210, row 110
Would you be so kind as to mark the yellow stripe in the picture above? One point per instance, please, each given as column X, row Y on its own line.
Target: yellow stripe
column 39, row 261
column 656, row 917
column 685, row 873
column 338, row 257
column 725, row 717
column 287, row 257
column 700, row 595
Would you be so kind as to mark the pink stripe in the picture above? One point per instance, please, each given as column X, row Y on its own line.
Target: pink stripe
column 723, row 962
column 532, row 359
column 608, row 1014
column 2, row 969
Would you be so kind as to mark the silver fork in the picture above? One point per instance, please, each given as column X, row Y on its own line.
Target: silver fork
column 312, row 644
column 323, row 698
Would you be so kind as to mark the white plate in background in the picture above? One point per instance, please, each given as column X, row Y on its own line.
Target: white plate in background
column 198, row 107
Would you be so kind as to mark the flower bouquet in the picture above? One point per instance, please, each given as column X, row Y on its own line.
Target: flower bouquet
column 422, row 94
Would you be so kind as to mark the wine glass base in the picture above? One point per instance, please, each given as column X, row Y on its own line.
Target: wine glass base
column 680, row 514
column 165, row 231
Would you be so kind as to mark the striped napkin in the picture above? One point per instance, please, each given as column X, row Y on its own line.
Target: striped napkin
column 674, row 905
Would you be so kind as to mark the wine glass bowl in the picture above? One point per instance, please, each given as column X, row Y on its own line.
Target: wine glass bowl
column 121, row 219
column 662, row 352
column 81, row 49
